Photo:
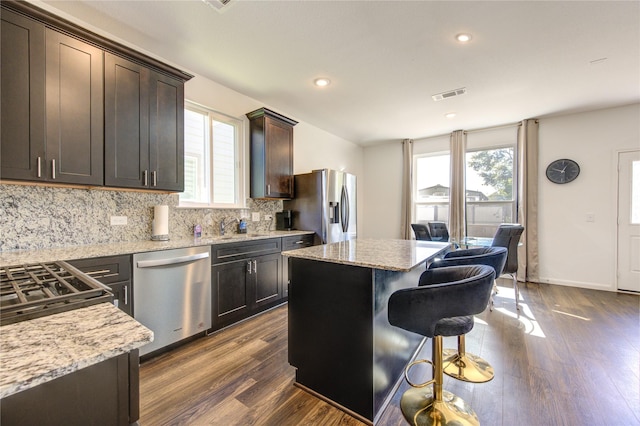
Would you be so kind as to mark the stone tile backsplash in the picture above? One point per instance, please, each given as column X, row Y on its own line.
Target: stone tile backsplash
column 37, row 217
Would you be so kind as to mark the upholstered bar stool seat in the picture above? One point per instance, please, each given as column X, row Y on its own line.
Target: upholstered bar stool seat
column 458, row 363
column 443, row 304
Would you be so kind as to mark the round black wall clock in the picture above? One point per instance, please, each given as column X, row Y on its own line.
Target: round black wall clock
column 563, row 171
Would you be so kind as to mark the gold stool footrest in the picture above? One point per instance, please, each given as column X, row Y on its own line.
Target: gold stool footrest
column 468, row 367
column 420, row 361
column 419, row 408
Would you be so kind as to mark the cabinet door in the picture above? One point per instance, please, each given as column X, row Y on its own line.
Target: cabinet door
column 166, row 144
column 126, row 130
column 230, row 289
column 122, row 296
column 266, row 273
column 74, row 110
column 22, row 110
column 278, row 158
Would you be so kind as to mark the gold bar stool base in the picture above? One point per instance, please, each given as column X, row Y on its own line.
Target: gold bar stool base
column 467, row 367
column 420, row 409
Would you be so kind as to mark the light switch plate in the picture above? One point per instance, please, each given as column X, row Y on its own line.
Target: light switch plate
column 255, row 217
column 118, row 220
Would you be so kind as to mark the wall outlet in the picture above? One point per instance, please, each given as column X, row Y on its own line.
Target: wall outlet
column 255, row 217
column 268, row 217
column 118, row 220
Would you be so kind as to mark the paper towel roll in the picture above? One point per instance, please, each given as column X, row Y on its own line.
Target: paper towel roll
column 160, row 224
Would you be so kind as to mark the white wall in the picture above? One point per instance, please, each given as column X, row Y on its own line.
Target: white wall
column 572, row 251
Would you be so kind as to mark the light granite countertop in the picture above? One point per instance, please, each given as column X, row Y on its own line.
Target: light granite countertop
column 42, row 349
column 390, row 255
column 17, row 257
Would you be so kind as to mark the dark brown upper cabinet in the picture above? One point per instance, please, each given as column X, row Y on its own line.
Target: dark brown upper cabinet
column 271, row 154
column 52, row 105
column 22, row 114
column 144, row 127
column 79, row 108
column 74, row 110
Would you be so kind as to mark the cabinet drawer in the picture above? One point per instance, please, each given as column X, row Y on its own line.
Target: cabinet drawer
column 107, row 270
column 297, row 241
column 221, row 253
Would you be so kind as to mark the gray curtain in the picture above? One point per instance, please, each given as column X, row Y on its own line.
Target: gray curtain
column 527, row 204
column 457, row 199
column 407, row 189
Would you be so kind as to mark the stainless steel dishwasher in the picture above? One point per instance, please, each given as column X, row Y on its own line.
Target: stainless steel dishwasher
column 172, row 294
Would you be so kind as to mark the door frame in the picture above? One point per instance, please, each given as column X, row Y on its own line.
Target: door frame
column 616, row 199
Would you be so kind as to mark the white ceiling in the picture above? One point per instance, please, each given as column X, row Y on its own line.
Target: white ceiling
column 386, row 58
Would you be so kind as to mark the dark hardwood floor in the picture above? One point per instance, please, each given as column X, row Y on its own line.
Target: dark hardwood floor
column 572, row 357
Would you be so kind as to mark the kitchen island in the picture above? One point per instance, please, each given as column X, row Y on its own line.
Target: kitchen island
column 71, row 368
column 340, row 340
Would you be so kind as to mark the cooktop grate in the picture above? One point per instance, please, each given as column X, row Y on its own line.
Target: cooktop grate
column 36, row 290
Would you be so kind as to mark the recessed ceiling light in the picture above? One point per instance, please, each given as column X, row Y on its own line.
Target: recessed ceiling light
column 450, row 114
column 463, row 37
column 322, row 82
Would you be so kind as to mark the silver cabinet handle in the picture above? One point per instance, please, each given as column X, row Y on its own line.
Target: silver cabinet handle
column 53, row 169
column 145, row 180
column 154, row 178
column 255, row 266
column 249, row 266
column 268, row 189
column 39, row 167
column 126, row 295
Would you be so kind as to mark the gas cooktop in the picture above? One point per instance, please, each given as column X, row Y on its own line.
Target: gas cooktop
column 41, row 289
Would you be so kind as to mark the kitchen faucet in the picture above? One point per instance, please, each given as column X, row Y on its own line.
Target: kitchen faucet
column 223, row 224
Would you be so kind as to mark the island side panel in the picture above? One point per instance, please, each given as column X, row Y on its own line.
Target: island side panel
column 331, row 331
column 393, row 346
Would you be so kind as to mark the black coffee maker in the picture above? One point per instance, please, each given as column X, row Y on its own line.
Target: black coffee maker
column 284, row 220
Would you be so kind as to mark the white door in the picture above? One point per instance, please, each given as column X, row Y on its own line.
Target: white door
column 629, row 221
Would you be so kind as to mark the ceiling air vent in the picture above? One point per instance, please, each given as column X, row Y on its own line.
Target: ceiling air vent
column 216, row 4
column 449, row 94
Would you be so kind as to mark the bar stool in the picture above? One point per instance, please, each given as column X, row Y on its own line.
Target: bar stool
column 443, row 304
column 458, row 363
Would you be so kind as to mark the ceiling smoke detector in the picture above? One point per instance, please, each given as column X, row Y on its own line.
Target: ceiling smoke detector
column 449, row 94
column 216, row 4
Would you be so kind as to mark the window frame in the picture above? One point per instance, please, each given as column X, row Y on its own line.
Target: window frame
column 483, row 147
column 239, row 162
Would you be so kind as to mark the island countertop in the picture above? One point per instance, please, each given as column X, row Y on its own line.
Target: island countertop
column 390, row 255
column 42, row 349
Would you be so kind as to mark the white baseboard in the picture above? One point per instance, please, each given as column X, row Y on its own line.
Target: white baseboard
column 592, row 286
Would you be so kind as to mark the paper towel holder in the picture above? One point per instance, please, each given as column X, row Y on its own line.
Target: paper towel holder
column 160, row 224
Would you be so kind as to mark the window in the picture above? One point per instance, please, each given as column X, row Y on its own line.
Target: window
column 489, row 187
column 212, row 159
column 489, row 190
column 431, row 194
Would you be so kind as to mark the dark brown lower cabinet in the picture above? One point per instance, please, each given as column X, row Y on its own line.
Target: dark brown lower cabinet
column 244, row 287
column 96, row 395
column 114, row 271
column 246, row 278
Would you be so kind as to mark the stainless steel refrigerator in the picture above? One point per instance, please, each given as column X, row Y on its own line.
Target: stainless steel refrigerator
column 325, row 202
